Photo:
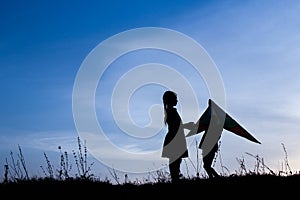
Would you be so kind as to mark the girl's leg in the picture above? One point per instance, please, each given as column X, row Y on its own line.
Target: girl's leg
column 174, row 168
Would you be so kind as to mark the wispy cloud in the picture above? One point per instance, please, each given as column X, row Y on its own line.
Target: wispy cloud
column 43, row 141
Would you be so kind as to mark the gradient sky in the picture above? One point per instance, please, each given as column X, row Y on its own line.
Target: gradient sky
column 254, row 44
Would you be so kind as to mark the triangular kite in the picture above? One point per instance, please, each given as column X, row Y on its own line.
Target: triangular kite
column 229, row 123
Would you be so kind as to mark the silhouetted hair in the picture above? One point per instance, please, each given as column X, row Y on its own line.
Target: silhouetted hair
column 168, row 97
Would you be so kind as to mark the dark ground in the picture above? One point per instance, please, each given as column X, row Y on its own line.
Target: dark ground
column 235, row 187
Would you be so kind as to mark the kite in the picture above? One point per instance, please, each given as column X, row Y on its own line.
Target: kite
column 229, row 123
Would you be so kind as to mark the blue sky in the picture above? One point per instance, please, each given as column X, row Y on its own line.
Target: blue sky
column 254, row 44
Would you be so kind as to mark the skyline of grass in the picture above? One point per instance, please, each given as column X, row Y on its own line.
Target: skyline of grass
column 15, row 169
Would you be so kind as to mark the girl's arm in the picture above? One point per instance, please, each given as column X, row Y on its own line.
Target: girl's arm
column 189, row 125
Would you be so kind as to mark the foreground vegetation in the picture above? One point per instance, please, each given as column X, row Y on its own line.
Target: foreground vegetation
column 250, row 186
column 58, row 181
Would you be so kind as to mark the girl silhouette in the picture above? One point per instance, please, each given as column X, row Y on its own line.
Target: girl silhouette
column 174, row 145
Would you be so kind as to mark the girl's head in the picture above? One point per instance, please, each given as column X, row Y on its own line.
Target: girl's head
column 169, row 99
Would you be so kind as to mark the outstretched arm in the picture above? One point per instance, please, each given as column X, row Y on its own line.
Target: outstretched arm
column 189, row 125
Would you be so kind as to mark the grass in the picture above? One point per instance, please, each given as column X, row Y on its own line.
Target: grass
column 83, row 182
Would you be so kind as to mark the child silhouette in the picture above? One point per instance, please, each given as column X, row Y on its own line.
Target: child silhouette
column 174, row 145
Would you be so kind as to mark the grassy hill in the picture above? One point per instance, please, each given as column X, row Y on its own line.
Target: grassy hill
column 247, row 186
column 58, row 183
